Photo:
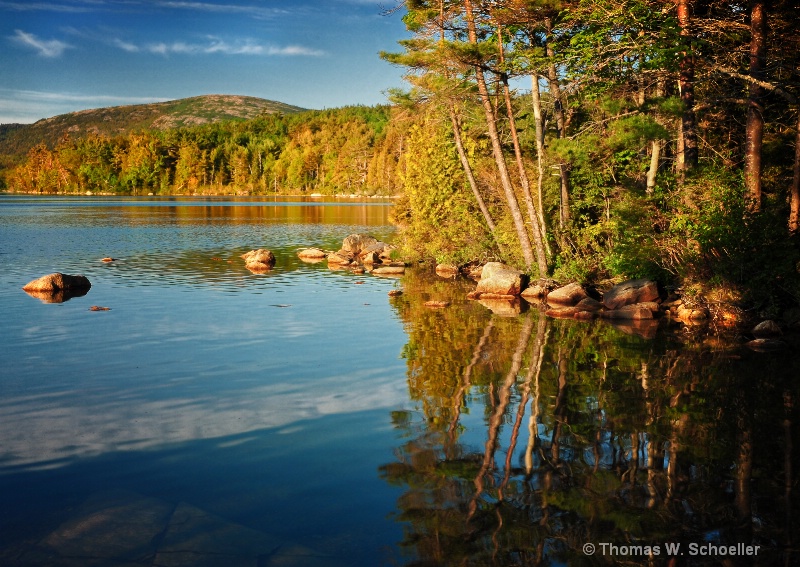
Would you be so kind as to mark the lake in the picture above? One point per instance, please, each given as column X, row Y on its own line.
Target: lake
column 213, row 416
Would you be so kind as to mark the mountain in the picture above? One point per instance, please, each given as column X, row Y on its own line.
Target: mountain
column 17, row 139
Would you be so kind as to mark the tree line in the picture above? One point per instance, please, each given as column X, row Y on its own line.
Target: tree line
column 344, row 150
column 657, row 138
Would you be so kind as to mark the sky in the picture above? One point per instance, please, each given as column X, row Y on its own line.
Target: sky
column 59, row 56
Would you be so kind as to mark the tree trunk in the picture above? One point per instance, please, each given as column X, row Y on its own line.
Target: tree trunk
column 538, row 234
column 655, row 155
column 497, row 150
column 754, row 135
column 539, row 125
column 462, row 155
column 794, row 198
column 689, row 155
column 552, row 78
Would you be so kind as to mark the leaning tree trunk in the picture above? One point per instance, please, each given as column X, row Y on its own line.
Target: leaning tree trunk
column 497, row 149
column 538, row 234
column 754, row 135
column 462, row 155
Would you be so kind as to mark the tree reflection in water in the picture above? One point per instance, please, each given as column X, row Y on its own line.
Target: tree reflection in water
column 629, row 441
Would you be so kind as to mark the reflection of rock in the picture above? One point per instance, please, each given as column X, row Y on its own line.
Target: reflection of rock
column 58, row 282
column 765, row 345
column 311, row 254
column 57, row 296
column 259, row 260
column 645, row 328
column 446, row 271
column 634, row 311
column 501, row 279
column 502, row 307
column 630, row 292
column 567, row 296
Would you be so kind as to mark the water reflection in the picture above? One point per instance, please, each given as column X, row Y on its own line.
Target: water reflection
column 532, row 437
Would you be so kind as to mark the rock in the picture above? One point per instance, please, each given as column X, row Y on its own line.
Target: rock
column 108, row 259
column 446, row 271
column 589, row 304
column 58, row 282
column 634, row 311
column 355, row 243
column 766, row 329
column 567, row 296
column 389, row 270
column 339, row 259
column 630, row 292
column 691, row 314
column 98, row 308
column 259, row 260
column 370, row 258
column 437, row 304
column 395, row 293
column 311, row 254
column 536, row 290
column 473, row 272
column 500, row 279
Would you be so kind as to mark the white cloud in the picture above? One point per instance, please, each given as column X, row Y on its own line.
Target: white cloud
column 219, row 46
column 46, row 48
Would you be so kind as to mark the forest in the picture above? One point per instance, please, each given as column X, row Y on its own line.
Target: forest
column 576, row 140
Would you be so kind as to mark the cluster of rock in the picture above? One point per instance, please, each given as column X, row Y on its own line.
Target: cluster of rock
column 631, row 300
column 358, row 253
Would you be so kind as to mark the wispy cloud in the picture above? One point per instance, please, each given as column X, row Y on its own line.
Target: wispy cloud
column 82, row 6
column 46, row 48
column 219, row 46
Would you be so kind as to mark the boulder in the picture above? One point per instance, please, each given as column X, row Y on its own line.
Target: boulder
column 589, row 304
column 536, row 290
column 630, row 292
column 369, row 258
column 355, row 243
column 567, row 296
column 259, row 260
column 311, row 254
column 339, row 258
column 58, row 282
column 500, row 279
column 767, row 329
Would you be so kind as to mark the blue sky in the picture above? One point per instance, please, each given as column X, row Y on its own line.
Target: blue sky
column 58, row 56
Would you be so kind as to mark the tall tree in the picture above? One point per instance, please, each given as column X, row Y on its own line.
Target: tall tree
column 754, row 135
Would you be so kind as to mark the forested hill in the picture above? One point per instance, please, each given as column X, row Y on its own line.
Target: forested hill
column 17, row 139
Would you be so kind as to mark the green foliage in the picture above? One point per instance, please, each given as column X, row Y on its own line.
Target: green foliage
column 438, row 212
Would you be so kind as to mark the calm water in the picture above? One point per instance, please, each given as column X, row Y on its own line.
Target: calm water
column 302, row 417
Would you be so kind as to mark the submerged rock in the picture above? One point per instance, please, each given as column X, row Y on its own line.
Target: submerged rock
column 448, row 271
column 58, row 282
column 437, row 304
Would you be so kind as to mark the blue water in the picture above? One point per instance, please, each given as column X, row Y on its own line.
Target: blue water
column 264, row 399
